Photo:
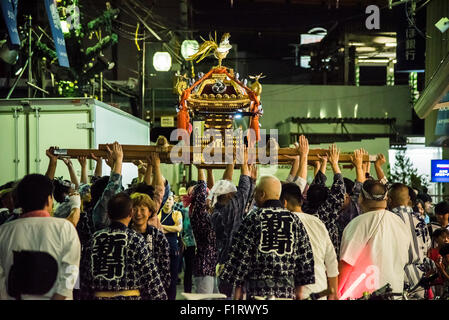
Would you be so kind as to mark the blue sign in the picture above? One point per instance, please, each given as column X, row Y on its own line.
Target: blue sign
column 9, row 8
column 440, row 170
column 56, row 31
column 442, row 125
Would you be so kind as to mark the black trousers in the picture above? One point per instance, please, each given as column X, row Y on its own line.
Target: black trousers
column 225, row 288
column 174, row 263
column 189, row 254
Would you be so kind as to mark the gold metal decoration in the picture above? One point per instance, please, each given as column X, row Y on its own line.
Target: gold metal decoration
column 220, row 50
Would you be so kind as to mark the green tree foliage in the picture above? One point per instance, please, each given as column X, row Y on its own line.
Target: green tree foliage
column 404, row 172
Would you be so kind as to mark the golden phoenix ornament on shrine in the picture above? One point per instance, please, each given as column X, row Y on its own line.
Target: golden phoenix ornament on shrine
column 218, row 97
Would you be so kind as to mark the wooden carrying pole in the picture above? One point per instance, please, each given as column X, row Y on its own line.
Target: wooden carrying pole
column 139, row 152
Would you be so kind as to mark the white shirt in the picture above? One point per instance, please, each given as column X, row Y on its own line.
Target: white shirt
column 376, row 244
column 299, row 181
column 55, row 236
column 324, row 256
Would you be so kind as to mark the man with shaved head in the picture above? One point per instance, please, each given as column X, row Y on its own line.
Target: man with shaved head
column 400, row 203
column 271, row 253
column 374, row 246
column 269, row 188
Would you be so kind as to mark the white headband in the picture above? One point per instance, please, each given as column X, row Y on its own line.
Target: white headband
column 220, row 188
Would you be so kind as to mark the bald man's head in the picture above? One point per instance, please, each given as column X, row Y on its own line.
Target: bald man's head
column 268, row 188
column 398, row 196
column 373, row 196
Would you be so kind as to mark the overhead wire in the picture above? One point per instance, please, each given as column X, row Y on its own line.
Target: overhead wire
column 123, row 31
column 413, row 23
column 117, row 90
column 149, row 14
column 156, row 19
column 137, row 32
column 130, row 35
column 133, row 34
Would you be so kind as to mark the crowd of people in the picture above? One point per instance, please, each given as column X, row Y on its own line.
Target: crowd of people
column 95, row 239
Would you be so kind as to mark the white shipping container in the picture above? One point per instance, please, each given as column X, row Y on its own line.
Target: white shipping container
column 28, row 127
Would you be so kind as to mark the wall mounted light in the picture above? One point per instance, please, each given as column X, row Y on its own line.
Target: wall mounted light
column 162, row 61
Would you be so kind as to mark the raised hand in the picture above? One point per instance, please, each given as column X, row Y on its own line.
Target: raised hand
column 322, row 164
column 322, row 159
column 95, row 157
column 365, row 153
column 82, row 160
column 115, row 157
column 245, row 154
column 253, row 171
column 142, row 169
column 109, row 158
column 334, row 157
column 303, row 146
column 72, row 173
column 99, row 166
column 334, row 154
column 201, row 176
column 295, row 157
column 137, row 162
column 83, row 163
column 380, row 160
column 251, row 155
column 357, row 158
column 52, row 163
column 366, row 165
column 75, row 200
column 67, row 162
column 117, row 151
column 154, row 159
column 210, row 178
column 50, row 155
column 141, row 166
